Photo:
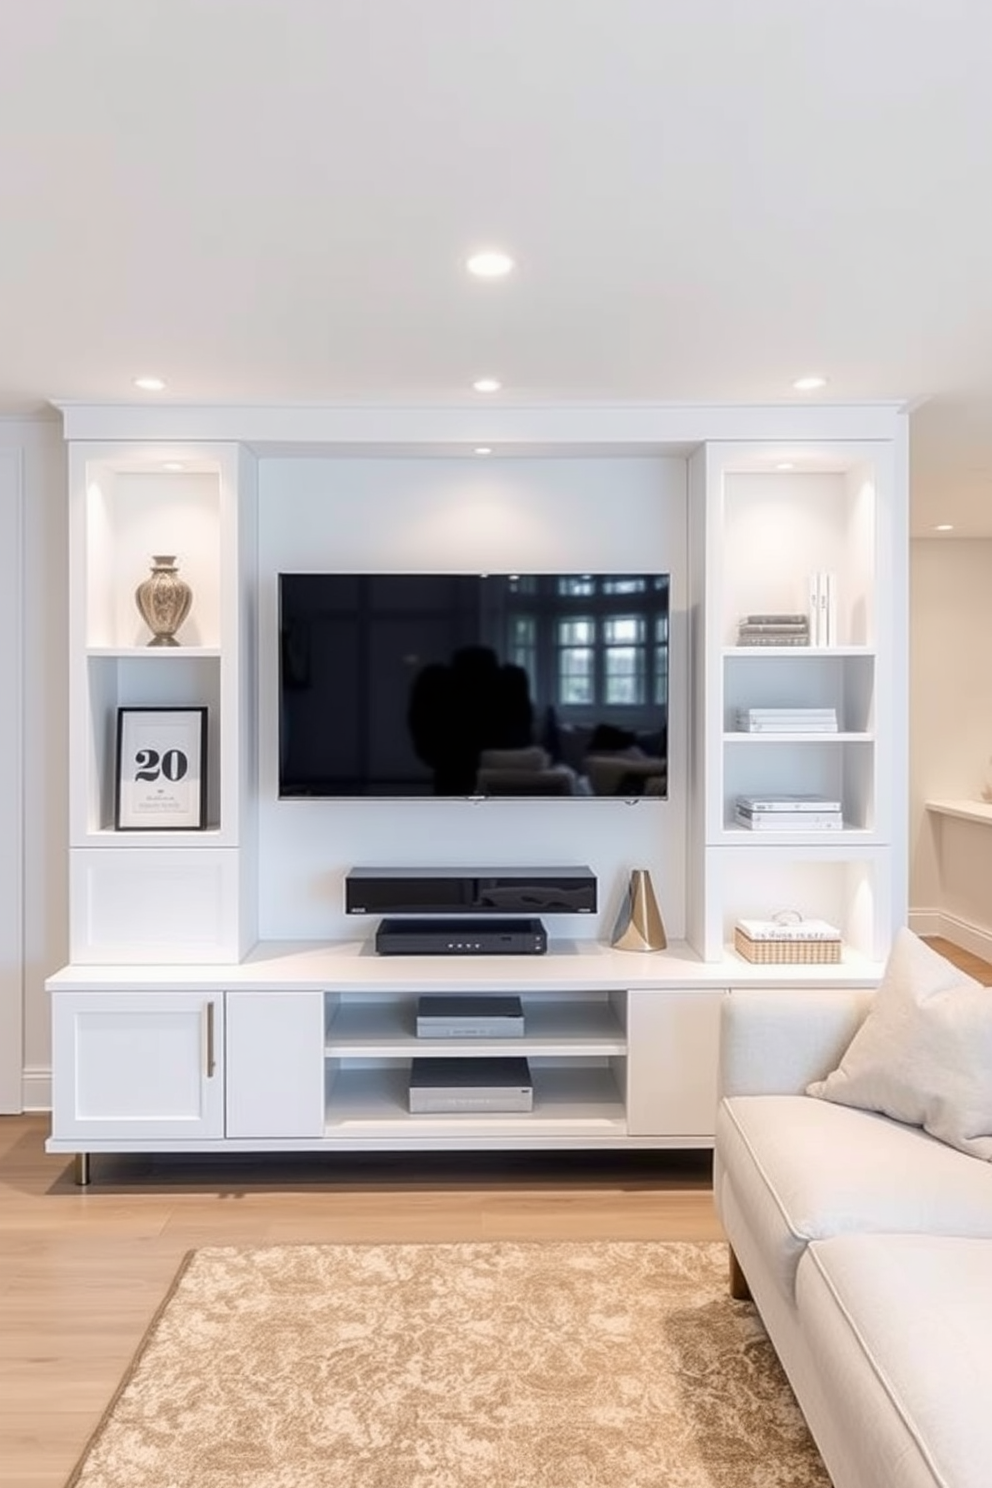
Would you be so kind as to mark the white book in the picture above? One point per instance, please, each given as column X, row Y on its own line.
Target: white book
column 814, row 610
column 794, row 727
column 794, row 712
column 789, row 803
column 824, row 717
column 788, row 726
column 790, row 821
column 776, row 715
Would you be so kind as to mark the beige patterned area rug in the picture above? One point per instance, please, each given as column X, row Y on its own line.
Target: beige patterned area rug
column 483, row 1365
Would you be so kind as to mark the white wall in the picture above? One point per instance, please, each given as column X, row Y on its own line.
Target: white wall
column 43, row 725
column 532, row 515
column 950, row 730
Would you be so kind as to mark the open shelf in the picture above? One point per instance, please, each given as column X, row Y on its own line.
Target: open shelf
column 575, row 1101
column 386, row 1028
column 153, row 653
column 806, row 736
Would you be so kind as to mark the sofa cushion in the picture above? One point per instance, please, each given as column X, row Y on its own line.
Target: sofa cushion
column 924, row 1051
column 900, row 1325
column 805, row 1169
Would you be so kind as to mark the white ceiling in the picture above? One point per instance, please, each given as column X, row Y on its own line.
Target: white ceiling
column 271, row 201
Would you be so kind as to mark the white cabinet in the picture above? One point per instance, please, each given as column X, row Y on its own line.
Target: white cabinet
column 672, row 1063
column 131, row 1067
column 148, row 1065
column 129, row 503
column 275, row 1064
column 763, row 519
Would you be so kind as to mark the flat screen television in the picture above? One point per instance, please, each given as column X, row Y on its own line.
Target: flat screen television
column 473, row 685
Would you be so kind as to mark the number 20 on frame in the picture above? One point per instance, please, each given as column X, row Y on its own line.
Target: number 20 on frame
column 161, row 781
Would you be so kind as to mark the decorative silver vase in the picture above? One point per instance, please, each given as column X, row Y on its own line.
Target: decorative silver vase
column 639, row 925
column 164, row 600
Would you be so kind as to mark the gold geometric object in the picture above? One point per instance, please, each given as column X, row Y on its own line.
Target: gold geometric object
column 639, row 925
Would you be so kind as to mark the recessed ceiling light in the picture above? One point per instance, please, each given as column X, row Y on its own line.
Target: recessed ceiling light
column 944, row 527
column 809, row 384
column 785, row 465
column 483, row 449
column 173, row 465
column 491, row 263
column 149, row 384
column 487, row 385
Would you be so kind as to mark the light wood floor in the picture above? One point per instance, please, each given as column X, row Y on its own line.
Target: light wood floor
column 972, row 965
column 82, row 1270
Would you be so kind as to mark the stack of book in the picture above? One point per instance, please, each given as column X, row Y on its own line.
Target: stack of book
column 787, row 720
column 787, row 813
column 773, row 629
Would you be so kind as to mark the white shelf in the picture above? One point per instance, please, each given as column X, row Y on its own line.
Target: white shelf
column 769, row 653
column 154, row 653
column 804, row 736
column 762, row 532
column 576, row 1101
column 973, row 811
column 851, row 961
column 165, row 837
column 563, row 1028
column 794, row 838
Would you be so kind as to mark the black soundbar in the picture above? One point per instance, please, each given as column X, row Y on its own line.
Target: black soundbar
column 470, row 891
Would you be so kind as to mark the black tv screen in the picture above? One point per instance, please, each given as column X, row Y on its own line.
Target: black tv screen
column 466, row 685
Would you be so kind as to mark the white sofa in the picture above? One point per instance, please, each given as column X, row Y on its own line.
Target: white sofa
column 866, row 1244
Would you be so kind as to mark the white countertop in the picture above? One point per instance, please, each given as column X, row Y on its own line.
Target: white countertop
column 568, row 965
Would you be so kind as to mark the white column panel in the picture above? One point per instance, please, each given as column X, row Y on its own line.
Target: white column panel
column 145, row 904
column 672, row 1044
column 11, row 785
column 275, row 1064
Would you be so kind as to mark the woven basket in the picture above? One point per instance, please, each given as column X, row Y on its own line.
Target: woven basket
column 784, row 952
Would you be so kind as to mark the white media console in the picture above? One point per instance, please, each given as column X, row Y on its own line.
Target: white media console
column 216, row 997
column 309, row 1048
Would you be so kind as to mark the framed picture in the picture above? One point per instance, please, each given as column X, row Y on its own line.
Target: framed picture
column 161, row 781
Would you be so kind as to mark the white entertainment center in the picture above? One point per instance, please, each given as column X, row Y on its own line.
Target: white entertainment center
column 217, row 998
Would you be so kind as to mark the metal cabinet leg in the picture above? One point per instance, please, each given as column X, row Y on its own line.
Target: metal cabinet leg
column 81, row 1169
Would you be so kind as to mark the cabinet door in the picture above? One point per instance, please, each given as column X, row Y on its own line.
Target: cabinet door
column 672, row 1050
column 136, row 1065
column 275, row 1064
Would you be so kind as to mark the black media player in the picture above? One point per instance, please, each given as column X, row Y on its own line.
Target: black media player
column 461, row 937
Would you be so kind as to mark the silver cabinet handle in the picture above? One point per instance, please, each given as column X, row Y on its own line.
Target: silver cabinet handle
column 211, row 1057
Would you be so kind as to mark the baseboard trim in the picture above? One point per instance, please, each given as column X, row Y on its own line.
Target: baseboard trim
column 926, row 921
column 951, row 927
column 36, row 1090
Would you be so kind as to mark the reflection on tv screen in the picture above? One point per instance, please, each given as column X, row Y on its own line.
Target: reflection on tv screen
column 464, row 685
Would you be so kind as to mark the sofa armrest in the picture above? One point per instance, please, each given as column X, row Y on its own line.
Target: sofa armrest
column 775, row 1043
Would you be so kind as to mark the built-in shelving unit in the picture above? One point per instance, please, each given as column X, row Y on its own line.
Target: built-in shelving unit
column 252, row 1052
column 766, row 519
column 142, row 895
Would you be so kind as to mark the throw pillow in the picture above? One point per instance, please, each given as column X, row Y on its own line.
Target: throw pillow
column 923, row 1054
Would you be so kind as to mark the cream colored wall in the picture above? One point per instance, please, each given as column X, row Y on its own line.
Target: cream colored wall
column 950, row 730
